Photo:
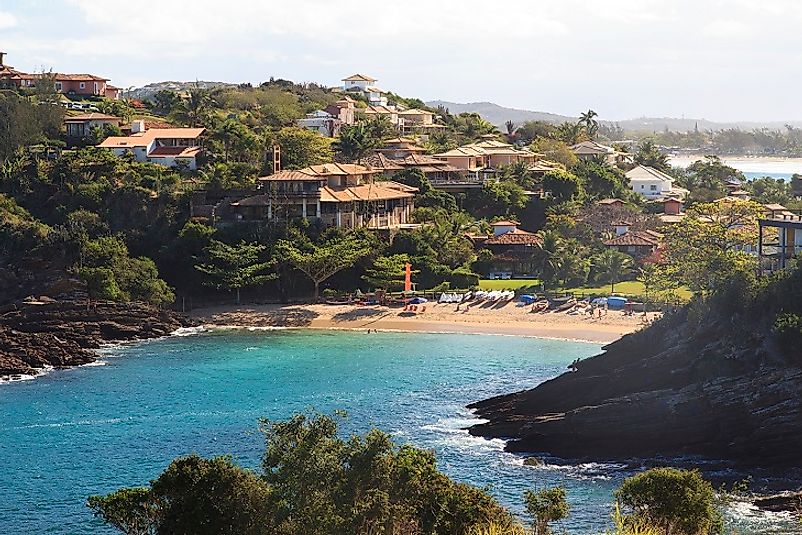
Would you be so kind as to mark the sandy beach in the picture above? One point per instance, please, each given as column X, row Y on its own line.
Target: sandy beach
column 508, row 319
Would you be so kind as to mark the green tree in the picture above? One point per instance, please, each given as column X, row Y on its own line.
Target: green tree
column 649, row 155
column 239, row 143
column 132, row 511
column 611, row 265
column 548, row 254
column 355, row 142
column 234, row 267
column 387, row 272
column 165, row 101
column 589, row 122
column 321, row 261
column 677, row 502
column 546, row 506
column 301, row 148
column 195, row 107
column 707, row 249
column 562, row 186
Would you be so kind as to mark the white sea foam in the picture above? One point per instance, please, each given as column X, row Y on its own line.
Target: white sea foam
column 189, row 331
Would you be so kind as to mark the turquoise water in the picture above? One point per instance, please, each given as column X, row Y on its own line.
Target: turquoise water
column 93, row 429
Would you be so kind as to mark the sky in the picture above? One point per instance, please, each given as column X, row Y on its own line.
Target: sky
column 713, row 59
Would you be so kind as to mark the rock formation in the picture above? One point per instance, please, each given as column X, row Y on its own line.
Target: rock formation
column 41, row 333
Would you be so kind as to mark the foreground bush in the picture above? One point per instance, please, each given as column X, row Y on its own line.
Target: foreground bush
column 312, row 483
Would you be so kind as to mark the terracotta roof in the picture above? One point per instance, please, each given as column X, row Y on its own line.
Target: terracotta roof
column 505, row 223
column 491, row 144
column 635, row 238
column 143, row 139
column 608, row 202
column 359, row 78
column 775, row 207
column 591, row 148
column 670, row 199
column 320, row 172
column 464, row 151
column 378, row 110
column 382, row 162
column 62, row 77
column 514, row 237
column 91, row 117
column 366, row 192
column 415, row 111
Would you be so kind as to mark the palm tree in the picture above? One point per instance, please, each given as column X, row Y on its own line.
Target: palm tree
column 547, row 255
column 649, row 155
column 611, row 265
column 511, row 128
column 195, row 107
column 355, row 142
column 589, row 122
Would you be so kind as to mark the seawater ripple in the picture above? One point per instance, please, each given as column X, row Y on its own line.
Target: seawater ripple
column 89, row 430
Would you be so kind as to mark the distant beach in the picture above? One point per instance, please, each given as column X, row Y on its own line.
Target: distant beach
column 751, row 166
column 510, row 319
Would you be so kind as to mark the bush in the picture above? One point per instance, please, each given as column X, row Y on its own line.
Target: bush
column 788, row 328
column 546, row 506
column 677, row 502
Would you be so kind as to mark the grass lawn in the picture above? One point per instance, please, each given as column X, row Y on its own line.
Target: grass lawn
column 628, row 288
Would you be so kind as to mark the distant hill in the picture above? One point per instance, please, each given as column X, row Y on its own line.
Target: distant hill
column 498, row 115
column 151, row 89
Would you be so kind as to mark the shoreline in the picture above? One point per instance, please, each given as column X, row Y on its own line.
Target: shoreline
column 509, row 319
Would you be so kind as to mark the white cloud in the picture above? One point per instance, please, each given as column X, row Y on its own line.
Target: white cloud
column 7, row 20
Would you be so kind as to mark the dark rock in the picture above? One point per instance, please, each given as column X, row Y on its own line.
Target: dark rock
column 778, row 503
column 716, row 392
column 533, row 461
column 44, row 332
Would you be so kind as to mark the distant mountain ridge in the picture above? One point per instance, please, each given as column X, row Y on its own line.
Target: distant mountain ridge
column 498, row 115
column 149, row 90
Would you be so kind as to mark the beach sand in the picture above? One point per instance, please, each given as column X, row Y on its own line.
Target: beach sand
column 507, row 319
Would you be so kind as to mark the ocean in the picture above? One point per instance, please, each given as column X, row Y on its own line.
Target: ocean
column 73, row 433
column 753, row 167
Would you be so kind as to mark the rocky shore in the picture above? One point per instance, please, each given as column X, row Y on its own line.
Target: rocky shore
column 38, row 334
column 716, row 388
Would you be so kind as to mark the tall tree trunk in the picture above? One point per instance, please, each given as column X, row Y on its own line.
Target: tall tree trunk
column 317, row 290
column 238, row 300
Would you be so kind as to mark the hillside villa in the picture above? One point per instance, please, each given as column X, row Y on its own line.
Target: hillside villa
column 80, row 126
column 337, row 195
column 639, row 244
column 73, row 85
column 170, row 147
column 512, row 250
column 590, row 150
column 653, row 184
column 327, row 122
column 365, row 85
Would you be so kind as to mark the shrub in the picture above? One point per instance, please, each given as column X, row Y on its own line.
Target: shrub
column 788, row 328
column 676, row 502
column 546, row 506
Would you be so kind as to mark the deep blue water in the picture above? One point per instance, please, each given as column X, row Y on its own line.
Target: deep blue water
column 91, row 430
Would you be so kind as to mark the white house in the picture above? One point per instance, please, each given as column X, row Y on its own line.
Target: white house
column 653, row 184
column 366, row 85
column 170, row 147
column 322, row 122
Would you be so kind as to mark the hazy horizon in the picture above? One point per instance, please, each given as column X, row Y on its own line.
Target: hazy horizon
column 625, row 59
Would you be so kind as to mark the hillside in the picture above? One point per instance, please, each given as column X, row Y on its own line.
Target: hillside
column 149, row 90
column 498, row 115
column 714, row 380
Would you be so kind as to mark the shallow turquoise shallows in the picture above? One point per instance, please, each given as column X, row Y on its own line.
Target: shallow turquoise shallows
column 90, row 430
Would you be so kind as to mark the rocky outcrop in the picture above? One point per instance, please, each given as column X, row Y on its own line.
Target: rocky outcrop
column 720, row 390
column 41, row 333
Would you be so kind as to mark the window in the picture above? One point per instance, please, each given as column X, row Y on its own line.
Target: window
column 58, row 86
column 82, row 85
column 653, row 187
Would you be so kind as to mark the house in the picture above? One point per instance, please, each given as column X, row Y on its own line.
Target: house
column 637, row 243
column 344, row 110
column 10, row 78
column 588, row 150
column 653, row 184
column 513, row 250
column 169, row 147
column 779, row 240
column 372, row 112
column 80, row 126
column 416, row 120
column 360, row 83
column 437, row 171
column 611, row 202
column 400, row 147
column 472, row 160
column 672, row 210
column 337, row 195
column 322, row 122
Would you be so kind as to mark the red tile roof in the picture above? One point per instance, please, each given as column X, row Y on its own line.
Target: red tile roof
column 635, row 238
column 514, row 237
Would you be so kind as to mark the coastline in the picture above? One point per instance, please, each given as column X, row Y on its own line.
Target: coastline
column 509, row 319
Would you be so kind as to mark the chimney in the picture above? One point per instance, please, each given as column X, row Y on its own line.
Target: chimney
column 2, row 55
column 137, row 126
column 621, row 227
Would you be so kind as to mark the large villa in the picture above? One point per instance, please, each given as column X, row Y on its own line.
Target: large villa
column 334, row 194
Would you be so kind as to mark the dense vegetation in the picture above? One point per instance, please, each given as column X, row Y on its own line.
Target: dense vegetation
column 121, row 230
column 316, row 483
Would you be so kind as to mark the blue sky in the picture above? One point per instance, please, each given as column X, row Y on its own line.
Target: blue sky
column 714, row 59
